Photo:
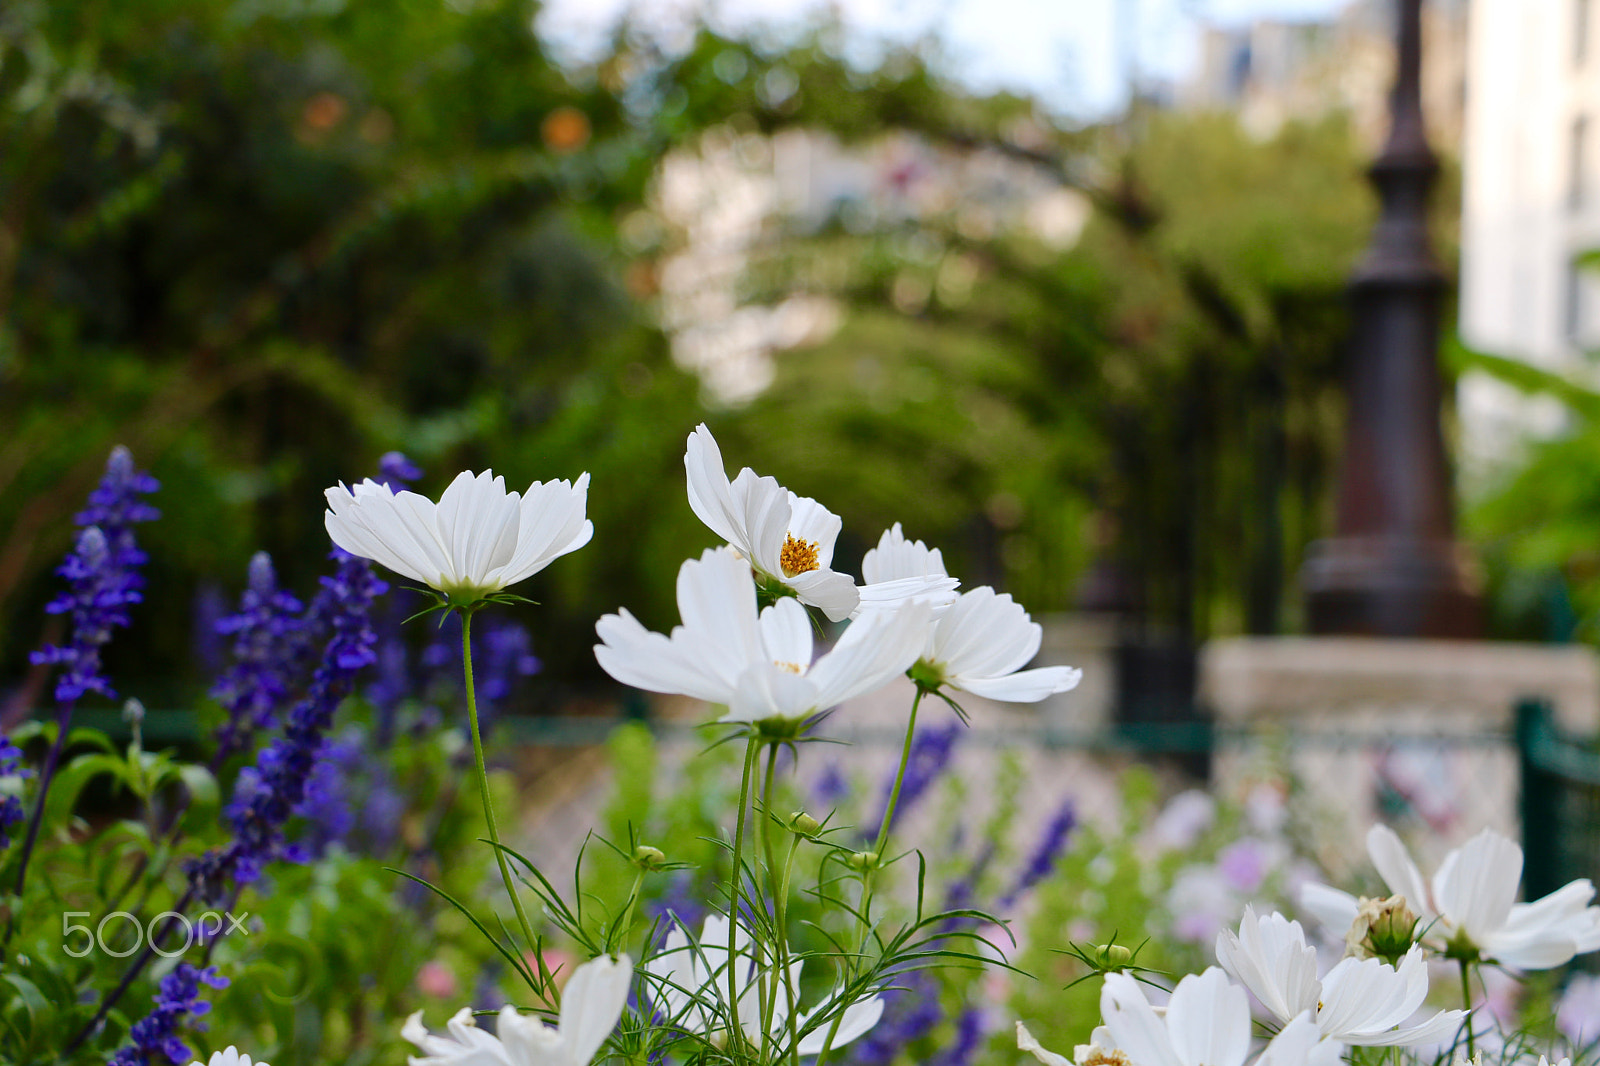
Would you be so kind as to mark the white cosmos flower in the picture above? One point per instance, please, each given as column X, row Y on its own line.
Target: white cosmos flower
column 591, row 1004
column 475, row 541
column 230, row 1057
column 1360, row 1001
column 1472, row 898
column 898, row 571
column 980, row 644
column 786, row 537
column 1206, row 1023
column 760, row 666
column 695, row 988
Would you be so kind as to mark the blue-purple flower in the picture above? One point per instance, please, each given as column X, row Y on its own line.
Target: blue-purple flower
column 11, row 812
column 268, row 792
column 268, row 650
column 177, row 995
column 102, row 573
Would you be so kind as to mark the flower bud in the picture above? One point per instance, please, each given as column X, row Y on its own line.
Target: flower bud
column 647, row 858
column 1384, row 929
column 863, row 860
column 1113, row 957
column 133, row 712
column 802, row 824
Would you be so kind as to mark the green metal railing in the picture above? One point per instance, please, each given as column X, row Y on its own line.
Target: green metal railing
column 1560, row 802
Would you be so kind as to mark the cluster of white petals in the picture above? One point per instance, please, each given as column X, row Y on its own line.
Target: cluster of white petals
column 591, row 1005
column 230, row 1057
column 1472, row 896
column 1360, row 1001
column 788, row 538
column 898, row 571
column 1206, row 1023
column 982, row 642
column 759, row 665
column 475, row 541
column 696, row 986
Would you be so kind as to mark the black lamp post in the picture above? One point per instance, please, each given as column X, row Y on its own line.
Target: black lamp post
column 1393, row 567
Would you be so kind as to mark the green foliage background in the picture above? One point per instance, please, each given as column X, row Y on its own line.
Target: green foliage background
column 262, row 242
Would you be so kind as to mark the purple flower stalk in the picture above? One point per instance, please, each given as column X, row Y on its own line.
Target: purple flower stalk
column 103, row 578
column 1045, row 853
column 178, row 994
column 11, row 812
column 931, row 750
column 269, row 646
column 910, row 1012
column 396, row 471
column 268, row 792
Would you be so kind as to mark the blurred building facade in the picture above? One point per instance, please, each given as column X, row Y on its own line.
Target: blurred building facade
column 1271, row 71
column 1531, row 206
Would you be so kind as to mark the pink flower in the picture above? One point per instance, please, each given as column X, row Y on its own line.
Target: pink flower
column 437, row 980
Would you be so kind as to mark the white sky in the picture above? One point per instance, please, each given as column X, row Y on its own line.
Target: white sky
column 1066, row 51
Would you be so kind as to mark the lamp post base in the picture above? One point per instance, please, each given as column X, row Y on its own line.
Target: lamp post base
column 1391, row 587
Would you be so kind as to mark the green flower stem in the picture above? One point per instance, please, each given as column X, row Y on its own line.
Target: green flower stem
column 1466, row 1003
column 626, row 925
column 780, row 907
column 866, row 875
column 736, row 890
column 483, row 783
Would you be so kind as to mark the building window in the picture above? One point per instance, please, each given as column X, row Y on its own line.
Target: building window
column 1578, row 165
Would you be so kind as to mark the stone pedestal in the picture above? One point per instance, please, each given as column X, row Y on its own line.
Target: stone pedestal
column 1416, row 733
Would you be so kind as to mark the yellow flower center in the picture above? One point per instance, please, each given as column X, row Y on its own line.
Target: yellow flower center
column 1099, row 1056
column 797, row 556
column 793, row 668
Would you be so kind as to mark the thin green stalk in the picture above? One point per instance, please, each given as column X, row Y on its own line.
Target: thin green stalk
column 780, row 912
column 483, row 781
column 863, row 920
column 626, row 925
column 1466, row 1003
column 736, row 890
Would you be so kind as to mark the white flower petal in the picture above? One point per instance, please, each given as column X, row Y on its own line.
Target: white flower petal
column 876, row 648
column 1026, row 1042
column 1333, row 909
column 836, row 594
column 1300, row 1043
column 591, row 1005
column 635, row 656
column 710, row 495
column 1208, row 1020
column 859, row 1018
column 1024, row 686
column 1134, row 1026
column 897, row 559
column 811, row 522
column 786, row 634
column 1476, row 885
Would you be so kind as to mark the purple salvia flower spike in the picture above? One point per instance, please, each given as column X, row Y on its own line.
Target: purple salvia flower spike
column 269, row 650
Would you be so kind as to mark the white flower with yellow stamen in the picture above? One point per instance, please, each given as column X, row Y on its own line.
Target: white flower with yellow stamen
column 760, row 665
column 1359, row 1001
column 1206, row 1023
column 787, row 538
column 475, row 541
column 1469, row 905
